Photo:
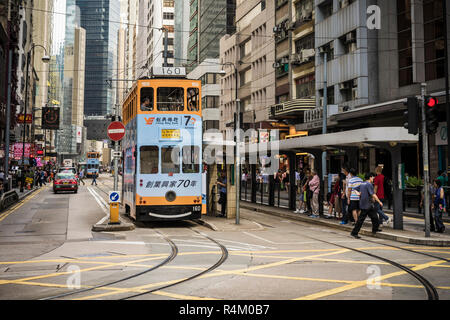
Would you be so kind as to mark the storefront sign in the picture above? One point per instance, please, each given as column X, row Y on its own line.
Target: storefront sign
column 28, row 119
column 18, row 149
column 441, row 134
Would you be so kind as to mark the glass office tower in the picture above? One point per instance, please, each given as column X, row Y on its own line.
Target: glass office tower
column 101, row 20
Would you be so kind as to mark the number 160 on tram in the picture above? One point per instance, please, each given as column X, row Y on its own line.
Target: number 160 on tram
column 162, row 148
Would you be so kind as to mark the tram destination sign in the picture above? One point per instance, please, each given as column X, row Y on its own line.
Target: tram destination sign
column 116, row 131
column 169, row 71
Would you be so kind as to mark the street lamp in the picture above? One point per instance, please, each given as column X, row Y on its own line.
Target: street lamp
column 45, row 59
column 237, row 137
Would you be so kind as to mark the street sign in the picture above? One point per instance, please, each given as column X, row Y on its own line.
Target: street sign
column 114, row 196
column 116, row 131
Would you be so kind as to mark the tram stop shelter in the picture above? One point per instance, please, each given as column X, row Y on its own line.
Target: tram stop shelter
column 388, row 138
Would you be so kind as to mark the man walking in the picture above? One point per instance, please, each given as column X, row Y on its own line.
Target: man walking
column 353, row 196
column 367, row 195
column 94, row 178
column 379, row 191
column 81, row 176
column 223, row 193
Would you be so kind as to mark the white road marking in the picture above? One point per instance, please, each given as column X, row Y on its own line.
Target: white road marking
column 247, row 244
column 252, row 235
column 101, row 203
column 166, row 244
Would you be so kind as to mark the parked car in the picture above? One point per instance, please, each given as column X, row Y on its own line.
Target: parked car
column 65, row 181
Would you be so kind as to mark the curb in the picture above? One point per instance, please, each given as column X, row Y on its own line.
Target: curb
column 123, row 226
column 382, row 235
column 206, row 224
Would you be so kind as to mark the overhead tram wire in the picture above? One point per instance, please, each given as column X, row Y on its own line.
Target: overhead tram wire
column 237, row 32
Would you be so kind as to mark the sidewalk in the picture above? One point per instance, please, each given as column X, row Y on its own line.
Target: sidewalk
column 412, row 233
column 223, row 224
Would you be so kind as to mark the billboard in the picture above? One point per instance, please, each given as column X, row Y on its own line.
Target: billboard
column 50, row 118
column 79, row 134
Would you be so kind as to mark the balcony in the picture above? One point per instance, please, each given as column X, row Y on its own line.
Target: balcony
column 293, row 109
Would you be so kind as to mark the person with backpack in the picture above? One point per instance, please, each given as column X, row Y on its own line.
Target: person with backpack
column 439, row 206
column 367, row 197
column 94, row 178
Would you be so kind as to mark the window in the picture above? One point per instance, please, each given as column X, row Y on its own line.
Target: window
column 304, row 43
column 191, row 159
column 404, row 42
column 192, row 99
column 433, row 19
column 329, row 49
column 170, row 159
column 149, row 156
column 169, row 42
column 170, row 99
column 304, row 10
column 306, row 87
column 168, row 15
column 147, row 99
column 326, row 8
column 169, row 3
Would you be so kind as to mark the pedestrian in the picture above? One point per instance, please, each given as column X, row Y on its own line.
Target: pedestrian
column 94, row 178
column 38, row 177
column 345, row 213
column 244, row 179
column 335, row 198
column 222, row 182
column 442, row 177
column 367, row 196
column 42, row 177
column 379, row 191
column 307, row 191
column 353, row 195
column 1, row 187
column 439, row 206
column 81, row 176
column 314, row 187
column 286, row 176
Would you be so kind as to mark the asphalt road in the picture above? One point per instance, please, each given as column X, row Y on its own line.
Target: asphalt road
column 48, row 251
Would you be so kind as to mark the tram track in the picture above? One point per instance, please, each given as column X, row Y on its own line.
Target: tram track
column 431, row 291
column 169, row 258
column 222, row 259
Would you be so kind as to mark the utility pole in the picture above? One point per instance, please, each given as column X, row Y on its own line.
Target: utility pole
column 324, row 126
column 25, row 123
column 116, row 149
column 447, row 95
column 426, row 169
column 166, row 38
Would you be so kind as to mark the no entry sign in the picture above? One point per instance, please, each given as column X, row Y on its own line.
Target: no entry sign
column 116, row 131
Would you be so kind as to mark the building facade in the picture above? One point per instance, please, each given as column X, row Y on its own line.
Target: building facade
column 97, row 18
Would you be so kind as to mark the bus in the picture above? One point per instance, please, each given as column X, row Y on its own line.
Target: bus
column 162, row 147
column 92, row 163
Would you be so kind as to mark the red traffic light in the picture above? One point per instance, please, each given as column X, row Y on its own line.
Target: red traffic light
column 431, row 102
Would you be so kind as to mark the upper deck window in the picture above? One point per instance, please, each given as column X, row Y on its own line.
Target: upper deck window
column 170, row 99
column 147, row 98
column 193, row 103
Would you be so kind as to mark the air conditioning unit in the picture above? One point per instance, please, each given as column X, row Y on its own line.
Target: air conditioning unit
column 354, row 93
column 284, row 60
column 275, row 65
column 307, row 16
column 296, row 58
column 308, row 53
column 353, row 47
column 291, row 25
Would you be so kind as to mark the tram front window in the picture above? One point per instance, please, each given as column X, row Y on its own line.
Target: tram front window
column 147, row 99
column 191, row 159
column 149, row 156
column 170, row 99
column 170, row 161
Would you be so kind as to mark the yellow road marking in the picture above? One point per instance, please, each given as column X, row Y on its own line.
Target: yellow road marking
column 362, row 283
column 20, row 204
column 216, row 274
column 180, row 296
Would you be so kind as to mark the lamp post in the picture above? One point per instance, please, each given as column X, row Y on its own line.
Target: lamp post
column 45, row 59
column 237, row 138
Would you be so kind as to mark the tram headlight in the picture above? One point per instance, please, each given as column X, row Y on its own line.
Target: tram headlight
column 171, row 196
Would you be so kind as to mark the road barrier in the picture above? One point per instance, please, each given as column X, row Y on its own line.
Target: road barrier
column 8, row 198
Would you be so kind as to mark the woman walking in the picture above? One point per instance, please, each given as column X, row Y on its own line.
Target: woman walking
column 439, row 206
column 314, row 187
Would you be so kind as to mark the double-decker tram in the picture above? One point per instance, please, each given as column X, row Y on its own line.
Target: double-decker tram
column 92, row 163
column 162, row 147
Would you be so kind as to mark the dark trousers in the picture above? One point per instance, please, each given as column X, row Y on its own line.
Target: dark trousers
column 94, row 180
column 344, row 209
column 440, row 227
column 364, row 213
column 223, row 204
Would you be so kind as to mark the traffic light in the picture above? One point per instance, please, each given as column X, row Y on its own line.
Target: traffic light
column 411, row 116
column 431, row 114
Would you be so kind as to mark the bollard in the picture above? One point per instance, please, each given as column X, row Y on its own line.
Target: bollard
column 114, row 213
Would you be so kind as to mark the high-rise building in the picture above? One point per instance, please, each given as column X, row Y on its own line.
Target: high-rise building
column 209, row 21
column 101, row 20
column 153, row 17
column 130, row 48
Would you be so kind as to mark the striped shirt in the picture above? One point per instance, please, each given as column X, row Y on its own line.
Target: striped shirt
column 352, row 184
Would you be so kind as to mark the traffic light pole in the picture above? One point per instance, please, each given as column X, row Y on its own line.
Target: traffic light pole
column 426, row 169
column 116, row 149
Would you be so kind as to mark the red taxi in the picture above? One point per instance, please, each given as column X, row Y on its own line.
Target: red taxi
column 65, row 181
